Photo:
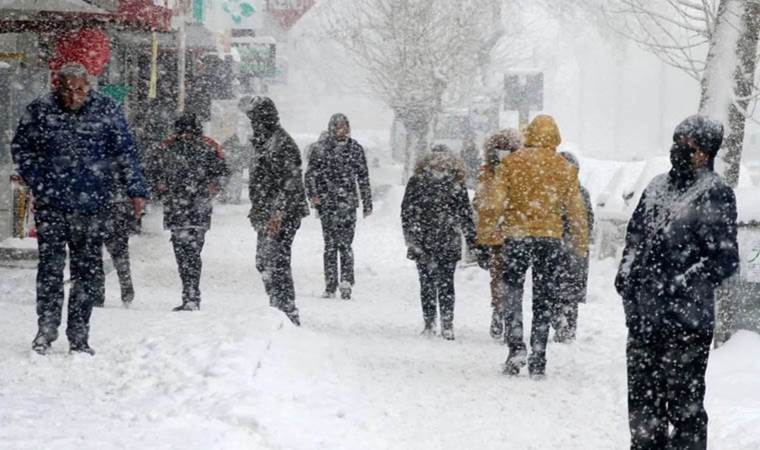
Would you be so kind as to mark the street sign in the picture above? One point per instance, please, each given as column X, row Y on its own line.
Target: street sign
column 524, row 90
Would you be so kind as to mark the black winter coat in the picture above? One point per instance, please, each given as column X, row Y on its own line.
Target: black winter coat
column 333, row 173
column 435, row 213
column 680, row 245
column 275, row 180
column 182, row 170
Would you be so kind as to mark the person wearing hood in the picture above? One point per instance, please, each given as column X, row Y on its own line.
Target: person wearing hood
column 680, row 246
column 435, row 213
column 498, row 146
column 278, row 202
column 336, row 167
column 573, row 272
column 533, row 189
column 188, row 170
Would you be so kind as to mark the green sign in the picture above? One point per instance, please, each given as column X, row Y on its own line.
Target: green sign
column 198, row 11
column 238, row 10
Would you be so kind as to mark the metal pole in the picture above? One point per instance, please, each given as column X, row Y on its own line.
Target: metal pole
column 181, row 64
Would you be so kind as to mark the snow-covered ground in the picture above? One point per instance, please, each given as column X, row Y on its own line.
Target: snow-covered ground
column 357, row 374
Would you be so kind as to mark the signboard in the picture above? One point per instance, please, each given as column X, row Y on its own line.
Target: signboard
column 524, row 91
column 289, row 11
column 749, row 254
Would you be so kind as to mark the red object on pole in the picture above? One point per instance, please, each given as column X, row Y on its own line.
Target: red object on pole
column 89, row 47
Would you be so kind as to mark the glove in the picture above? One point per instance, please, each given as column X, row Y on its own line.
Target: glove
column 483, row 255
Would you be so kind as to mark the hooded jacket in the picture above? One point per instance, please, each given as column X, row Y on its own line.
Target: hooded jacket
column 680, row 245
column 334, row 170
column 436, row 211
column 533, row 187
column 275, row 181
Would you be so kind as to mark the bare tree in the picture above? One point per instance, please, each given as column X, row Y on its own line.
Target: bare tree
column 416, row 53
column 714, row 42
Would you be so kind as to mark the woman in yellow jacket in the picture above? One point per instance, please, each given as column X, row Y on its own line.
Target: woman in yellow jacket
column 497, row 147
column 531, row 189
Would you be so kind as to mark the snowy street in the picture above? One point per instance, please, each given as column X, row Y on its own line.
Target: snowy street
column 237, row 374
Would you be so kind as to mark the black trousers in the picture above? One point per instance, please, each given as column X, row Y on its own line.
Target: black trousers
column 542, row 254
column 437, row 290
column 273, row 257
column 573, row 279
column 83, row 234
column 338, row 229
column 666, row 386
column 188, row 245
column 120, row 225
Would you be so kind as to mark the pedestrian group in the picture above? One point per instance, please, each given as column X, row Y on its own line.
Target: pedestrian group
column 74, row 150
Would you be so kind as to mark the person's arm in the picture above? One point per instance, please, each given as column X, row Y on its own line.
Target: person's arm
column 410, row 216
column 25, row 149
column 291, row 179
column 128, row 162
column 717, row 232
column 464, row 213
column 577, row 216
column 634, row 239
column 311, row 176
column 362, row 177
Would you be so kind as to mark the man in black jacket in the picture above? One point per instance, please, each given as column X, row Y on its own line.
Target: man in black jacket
column 336, row 165
column 680, row 245
column 278, row 202
column 187, row 173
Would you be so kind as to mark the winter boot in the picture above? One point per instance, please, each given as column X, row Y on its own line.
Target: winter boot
column 515, row 361
column 345, row 290
column 537, row 367
column 430, row 329
column 127, row 295
column 188, row 306
column 41, row 344
column 294, row 317
column 328, row 294
column 447, row 331
column 497, row 324
column 81, row 348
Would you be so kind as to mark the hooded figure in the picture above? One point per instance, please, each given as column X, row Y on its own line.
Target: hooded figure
column 188, row 170
column 278, row 202
column 497, row 147
column 573, row 272
column 435, row 213
column 535, row 191
column 680, row 245
column 336, row 176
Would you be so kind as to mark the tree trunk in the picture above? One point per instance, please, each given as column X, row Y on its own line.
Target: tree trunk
column 725, row 95
column 744, row 78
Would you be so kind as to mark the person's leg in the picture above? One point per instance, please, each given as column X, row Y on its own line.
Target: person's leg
column 686, row 360
column 545, row 294
column 345, row 236
column 52, row 234
column 180, row 238
column 498, row 292
column 87, row 277
column 197, row 238
column 516, row 258
column 444, row 278
column 117, row 245
column 426, row 274
column 330, row 257
column 282, row 291
column 647, row 414
column 561, row 309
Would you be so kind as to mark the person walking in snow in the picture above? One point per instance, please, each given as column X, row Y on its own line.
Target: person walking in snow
column 498, row 146
column 573, row 272
column 680, row 245
column 188, row 170
column 336, row 166
column 532, row 189
column 435, row 213
column 69, row 146
column 278, row 202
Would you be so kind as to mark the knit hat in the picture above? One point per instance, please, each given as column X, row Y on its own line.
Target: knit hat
column 706, row 132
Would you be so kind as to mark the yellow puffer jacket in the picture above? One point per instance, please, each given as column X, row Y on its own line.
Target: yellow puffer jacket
column 531, row 189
